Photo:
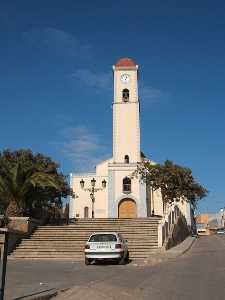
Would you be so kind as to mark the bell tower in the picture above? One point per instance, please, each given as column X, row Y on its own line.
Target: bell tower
column 126, row 121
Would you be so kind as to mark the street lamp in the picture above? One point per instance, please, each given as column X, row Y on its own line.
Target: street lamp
column 92, row 191
column 93, row 181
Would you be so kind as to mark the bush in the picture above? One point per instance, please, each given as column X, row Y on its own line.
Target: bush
column 4, row 221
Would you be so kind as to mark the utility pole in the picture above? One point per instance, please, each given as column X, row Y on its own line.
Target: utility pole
column 3, row 262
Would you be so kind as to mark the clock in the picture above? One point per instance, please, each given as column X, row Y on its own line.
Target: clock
column 125, row 78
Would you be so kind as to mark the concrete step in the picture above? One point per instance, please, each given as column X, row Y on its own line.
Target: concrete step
column 81, row 246
column 74, row 243
column 85, row 238
column 68, row 254
column 93, row 229
column 89, row 224
column 88, row 233
column 78, row 248
column 113, row 227
column 70, row 257
column 76, row 227
column 84, row 233
column 54, row 245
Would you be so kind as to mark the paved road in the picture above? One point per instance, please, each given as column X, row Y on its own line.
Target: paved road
column 199, row 274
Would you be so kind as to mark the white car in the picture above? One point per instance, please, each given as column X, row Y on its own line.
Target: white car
column 106, row 246
column 220, row 231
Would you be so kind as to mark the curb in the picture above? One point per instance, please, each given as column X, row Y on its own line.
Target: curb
column 43, row 295
column 172, row 253
column 181, row 248
column 191, row 243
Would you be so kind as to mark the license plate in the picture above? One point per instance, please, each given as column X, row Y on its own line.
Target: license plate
column 103, row 247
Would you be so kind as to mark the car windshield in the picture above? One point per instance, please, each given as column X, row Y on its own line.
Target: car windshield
column 103, row 238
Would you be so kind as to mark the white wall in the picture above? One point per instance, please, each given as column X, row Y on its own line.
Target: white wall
column 126, row 132
column 126, row 123
column 117, row 172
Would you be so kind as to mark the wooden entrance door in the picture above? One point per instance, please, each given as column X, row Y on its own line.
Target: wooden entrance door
column 127, row 209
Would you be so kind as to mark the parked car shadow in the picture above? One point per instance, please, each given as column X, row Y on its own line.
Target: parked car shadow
column 108, row 262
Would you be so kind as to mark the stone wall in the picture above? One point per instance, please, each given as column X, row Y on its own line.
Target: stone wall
column 18, row 228
column 23, row 224
column 178, row 233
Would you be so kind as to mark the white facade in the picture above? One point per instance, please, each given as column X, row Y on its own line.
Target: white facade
column 122, row 196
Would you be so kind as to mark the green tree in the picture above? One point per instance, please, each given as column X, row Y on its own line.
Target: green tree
column 28, row 181
column 175, row 182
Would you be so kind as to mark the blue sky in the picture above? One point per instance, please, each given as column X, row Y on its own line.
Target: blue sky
column 56, row 81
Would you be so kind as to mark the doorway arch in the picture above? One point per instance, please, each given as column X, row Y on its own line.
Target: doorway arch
column 127, row 208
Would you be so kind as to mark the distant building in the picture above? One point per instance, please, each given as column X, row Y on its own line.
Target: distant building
column 202, row 219
column 211, row 220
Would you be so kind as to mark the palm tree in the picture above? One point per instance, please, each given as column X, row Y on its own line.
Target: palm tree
column 19, row 182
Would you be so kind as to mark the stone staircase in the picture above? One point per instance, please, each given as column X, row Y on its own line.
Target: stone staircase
column 67, row 242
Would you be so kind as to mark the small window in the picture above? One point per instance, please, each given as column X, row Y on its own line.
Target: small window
column 126, row 185
column 126, row 159
column 125, row 95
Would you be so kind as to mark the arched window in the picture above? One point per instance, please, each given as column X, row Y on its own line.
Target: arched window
column 126, row 159
column 126, row 185
column 125, row 95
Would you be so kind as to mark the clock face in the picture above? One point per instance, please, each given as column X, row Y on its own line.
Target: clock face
column 125, row 78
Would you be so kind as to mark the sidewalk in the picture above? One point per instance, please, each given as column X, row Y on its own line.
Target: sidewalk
column 101, row 290
column 164, row 255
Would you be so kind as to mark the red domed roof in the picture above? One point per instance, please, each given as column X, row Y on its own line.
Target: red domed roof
column 125, row 62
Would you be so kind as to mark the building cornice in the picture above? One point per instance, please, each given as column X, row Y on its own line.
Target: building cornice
column 83, row 174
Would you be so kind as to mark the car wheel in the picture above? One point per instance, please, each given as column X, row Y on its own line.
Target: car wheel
column 121, row 261
column 128, row 257
column 87, row 261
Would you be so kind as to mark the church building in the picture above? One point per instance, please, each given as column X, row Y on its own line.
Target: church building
column 111, row 191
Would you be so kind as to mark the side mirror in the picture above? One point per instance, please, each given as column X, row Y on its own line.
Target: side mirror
column 126, row 241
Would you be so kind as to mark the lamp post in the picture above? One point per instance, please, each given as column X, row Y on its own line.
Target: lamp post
column 3, row 261
column 92, row 191
column 92, row 196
